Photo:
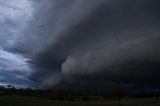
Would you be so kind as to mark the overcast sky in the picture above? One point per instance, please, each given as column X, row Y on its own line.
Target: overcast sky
column 87, row 43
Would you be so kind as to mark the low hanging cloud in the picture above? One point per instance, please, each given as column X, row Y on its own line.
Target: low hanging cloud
column 97, row 41
column 92, row 43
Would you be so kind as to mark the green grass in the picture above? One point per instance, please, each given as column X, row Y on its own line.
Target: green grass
column 35, row 101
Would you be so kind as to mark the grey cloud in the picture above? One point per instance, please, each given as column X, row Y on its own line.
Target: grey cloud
column 14, row 17
column 93, row 41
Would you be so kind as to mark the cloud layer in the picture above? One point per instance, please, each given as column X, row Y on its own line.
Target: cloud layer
column 89, row 42
column 14, row 17
column 97, row 41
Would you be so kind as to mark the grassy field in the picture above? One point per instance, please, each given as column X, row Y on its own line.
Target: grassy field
column 35, row 101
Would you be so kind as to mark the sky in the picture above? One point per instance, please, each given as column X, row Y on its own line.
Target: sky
column 80, row 44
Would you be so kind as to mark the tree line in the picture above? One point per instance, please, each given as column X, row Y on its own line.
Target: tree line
column 115, row 93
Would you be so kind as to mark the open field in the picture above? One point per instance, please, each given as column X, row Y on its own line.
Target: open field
column 36, row 101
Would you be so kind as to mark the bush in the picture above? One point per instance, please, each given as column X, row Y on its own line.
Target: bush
column 86, row 98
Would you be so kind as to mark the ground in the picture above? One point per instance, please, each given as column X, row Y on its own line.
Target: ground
column 36, row 101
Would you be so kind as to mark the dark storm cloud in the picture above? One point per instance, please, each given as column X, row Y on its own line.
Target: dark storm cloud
column 94, row 41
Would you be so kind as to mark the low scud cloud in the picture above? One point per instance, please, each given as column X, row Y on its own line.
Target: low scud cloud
column 92, row 43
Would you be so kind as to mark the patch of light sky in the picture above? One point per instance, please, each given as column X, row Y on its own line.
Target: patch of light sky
column 12, row 62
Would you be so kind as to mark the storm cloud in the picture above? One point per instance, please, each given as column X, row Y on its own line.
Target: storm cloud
column 94, row 41
column 91, row 43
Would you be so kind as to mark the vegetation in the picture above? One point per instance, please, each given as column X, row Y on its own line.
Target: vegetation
column 9, row 96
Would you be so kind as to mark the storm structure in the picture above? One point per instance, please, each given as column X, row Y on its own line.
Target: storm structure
column 70, row 44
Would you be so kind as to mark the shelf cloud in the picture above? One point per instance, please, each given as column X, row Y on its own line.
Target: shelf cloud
column 85, row 42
